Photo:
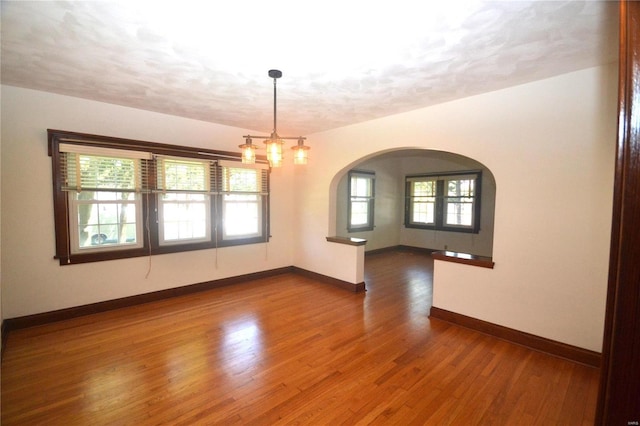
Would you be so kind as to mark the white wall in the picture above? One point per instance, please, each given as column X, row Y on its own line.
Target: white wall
column 34, row 282
column 550, row 145
column 312, row 186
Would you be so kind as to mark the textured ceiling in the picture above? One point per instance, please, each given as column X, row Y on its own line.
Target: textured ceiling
column 343, row 61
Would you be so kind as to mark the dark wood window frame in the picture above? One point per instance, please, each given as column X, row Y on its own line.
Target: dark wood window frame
column 369, row 200
column 149, row 201
column 440, row 208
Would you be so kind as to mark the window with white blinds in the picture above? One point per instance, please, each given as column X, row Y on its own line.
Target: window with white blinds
column 184, row 199
column 117, row 198
column 244, row 190
column 102, row 169
column 104, row 202
column 185, row 175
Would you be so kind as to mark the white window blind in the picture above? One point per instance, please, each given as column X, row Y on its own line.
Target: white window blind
column 244, row 189
column 185, row 175
column 88, row 168
column 117, row 198
column 238, row 178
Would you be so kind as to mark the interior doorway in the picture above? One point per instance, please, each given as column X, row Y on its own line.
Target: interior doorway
column 390, row 171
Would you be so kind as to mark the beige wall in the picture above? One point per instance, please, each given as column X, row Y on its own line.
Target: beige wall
column 550, row 145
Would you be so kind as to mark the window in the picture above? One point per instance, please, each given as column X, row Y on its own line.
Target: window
column 184, row 201
column 117, row 198
column 103, row 188
column 458, row 201
column 423, row 206
column 446, row 201
column 242, row 200
column 361, row 201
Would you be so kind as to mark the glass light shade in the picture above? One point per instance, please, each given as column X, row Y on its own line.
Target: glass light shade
column 274, row 151
column 248, row 152
column 300, row 153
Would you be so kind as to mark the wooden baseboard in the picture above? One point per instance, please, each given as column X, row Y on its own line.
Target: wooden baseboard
column 573, row 353
column 4, row 338
column 93, row 308
column 356, row 288
column 464, row 258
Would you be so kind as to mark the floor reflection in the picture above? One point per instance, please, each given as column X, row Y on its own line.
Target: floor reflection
column 241, row 346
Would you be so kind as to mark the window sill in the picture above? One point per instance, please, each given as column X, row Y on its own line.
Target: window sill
column 443, row 228
column 347, row 240
column 464, row 258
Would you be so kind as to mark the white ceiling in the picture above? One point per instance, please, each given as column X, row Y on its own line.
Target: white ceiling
column 344, row 61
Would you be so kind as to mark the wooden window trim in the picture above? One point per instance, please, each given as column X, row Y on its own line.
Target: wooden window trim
column 464, row 258
column 439, row 224
column 370, row 202
column 151, row 244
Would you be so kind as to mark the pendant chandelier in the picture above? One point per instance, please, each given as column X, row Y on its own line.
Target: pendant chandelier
column 274, row 142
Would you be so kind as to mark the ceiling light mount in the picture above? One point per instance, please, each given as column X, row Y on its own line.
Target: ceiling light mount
column 275, row 73
column 274, row 142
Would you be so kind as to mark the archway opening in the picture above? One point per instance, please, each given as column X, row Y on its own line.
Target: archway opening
column 392, row 205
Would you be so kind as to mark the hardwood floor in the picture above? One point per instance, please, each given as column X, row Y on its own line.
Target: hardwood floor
column 288, row 350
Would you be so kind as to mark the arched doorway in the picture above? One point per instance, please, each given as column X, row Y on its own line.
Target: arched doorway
column 390, row 172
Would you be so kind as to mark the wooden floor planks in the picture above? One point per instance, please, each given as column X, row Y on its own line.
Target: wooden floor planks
column 288, row 350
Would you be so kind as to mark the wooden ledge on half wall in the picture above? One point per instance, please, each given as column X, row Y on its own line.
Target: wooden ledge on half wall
column 466, row 258
column 347, row 240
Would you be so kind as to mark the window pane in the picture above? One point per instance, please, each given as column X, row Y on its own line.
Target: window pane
column 102, row 172
column 459, row 205
column 424, row 210
column 183, row 196
column 184, row 217
column 112, row 196
column 424, row 189
column 423, row 202
column 460, row 188
column 460, row 212
column 359, row 213
column 184, row 175
column 361, row 186
column 361, row 201
column 241, row 215
column 241, row 180
column 103, row 219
